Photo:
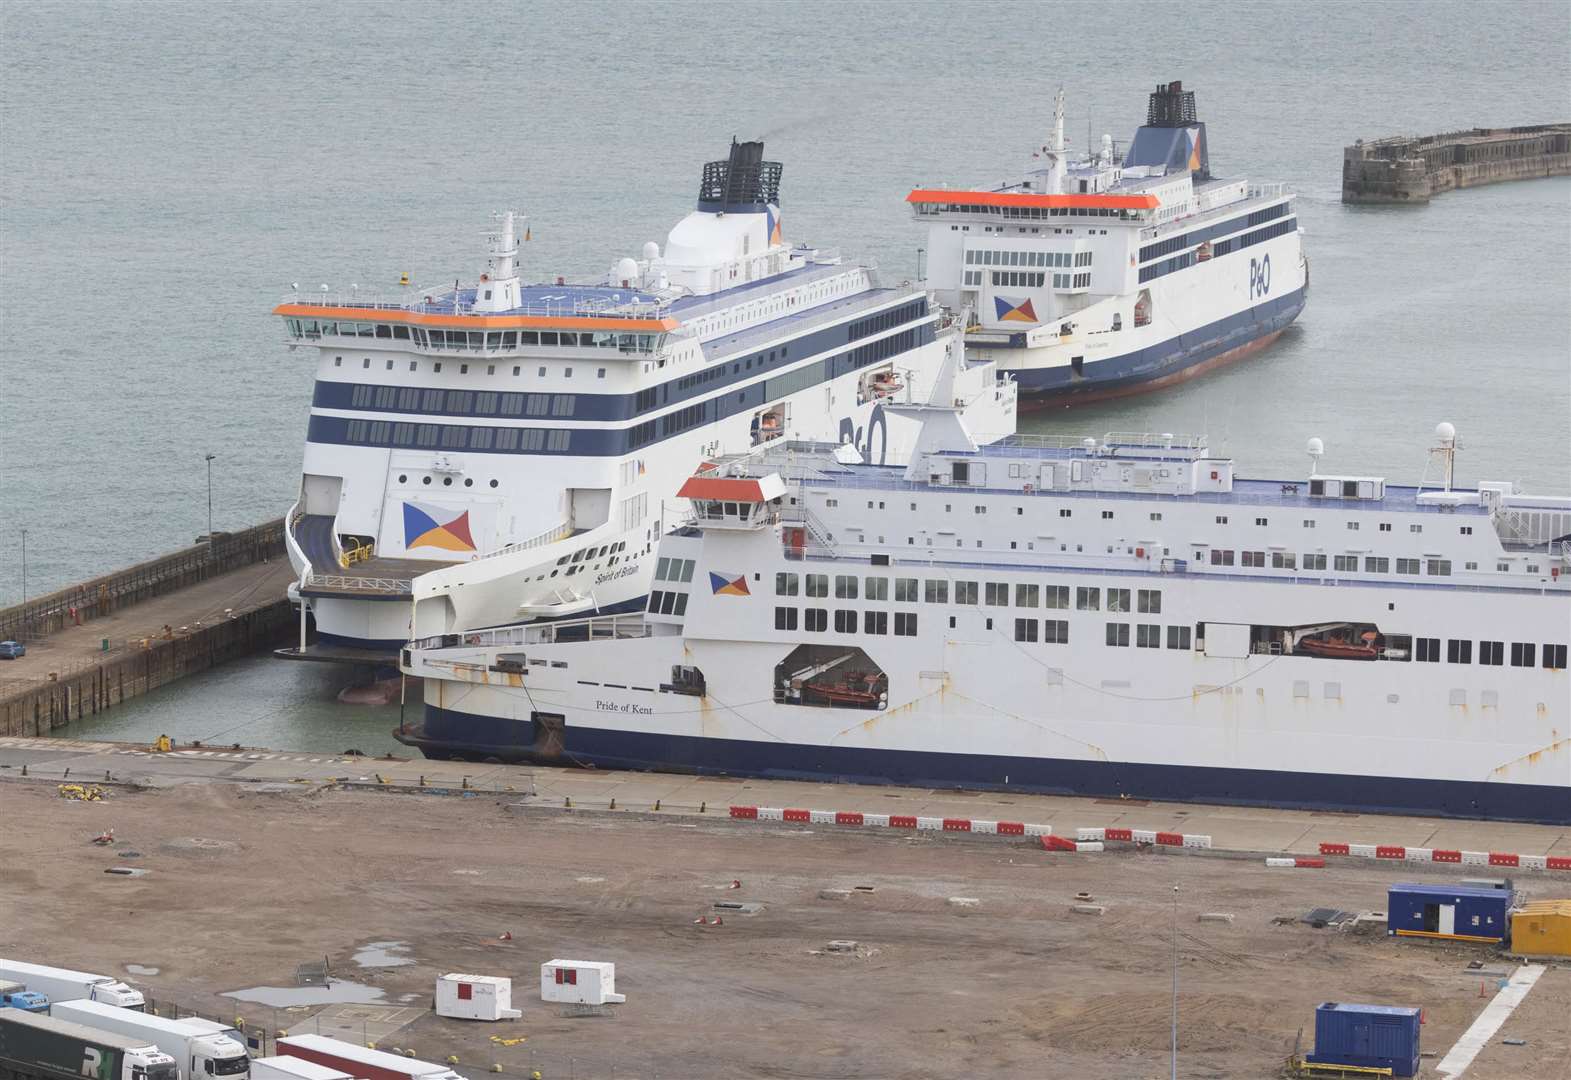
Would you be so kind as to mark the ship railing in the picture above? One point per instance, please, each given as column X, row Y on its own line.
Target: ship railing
column 444, row 302
column 1268, row 191
column 350, row 583
column 1150, row 440
column 594, row 628
column 550, row 536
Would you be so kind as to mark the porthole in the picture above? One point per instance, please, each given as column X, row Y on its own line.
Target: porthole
column 447, row 481
column 493, row 483
column 425, row 479
column 403, row 478
column 468, row 483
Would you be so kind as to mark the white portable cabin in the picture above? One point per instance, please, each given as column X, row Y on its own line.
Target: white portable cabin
column 579, row 982
column 284, row 1067
column 475, row 997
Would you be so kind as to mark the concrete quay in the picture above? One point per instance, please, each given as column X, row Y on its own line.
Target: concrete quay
column 94, row 645
column 1410, row 170
column 1253, row 830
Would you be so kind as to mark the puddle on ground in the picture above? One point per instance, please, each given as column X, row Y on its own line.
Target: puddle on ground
column 283, row 997
column 139, row 969
column 383, row 954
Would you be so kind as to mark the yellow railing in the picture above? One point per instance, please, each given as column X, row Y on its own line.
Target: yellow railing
column 359, row 553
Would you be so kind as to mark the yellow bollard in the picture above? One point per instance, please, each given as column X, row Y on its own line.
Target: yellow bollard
column 452, row 1059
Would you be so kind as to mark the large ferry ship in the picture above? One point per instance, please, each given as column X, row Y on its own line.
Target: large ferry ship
column 1113, row 617
column 1113, row 275
column 521, row 446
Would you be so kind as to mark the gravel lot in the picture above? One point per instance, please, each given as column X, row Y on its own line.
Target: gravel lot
column 1016, row 985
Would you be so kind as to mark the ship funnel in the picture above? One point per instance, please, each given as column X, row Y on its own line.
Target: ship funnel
column 743, row 183
column 1174, row 137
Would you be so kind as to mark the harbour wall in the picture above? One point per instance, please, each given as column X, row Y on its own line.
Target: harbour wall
column 1412, row 169
column 144, row 665
column 77, row 604
column 72, row 672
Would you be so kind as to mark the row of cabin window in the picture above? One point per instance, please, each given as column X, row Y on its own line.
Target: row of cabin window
column 1062, row 260
column 816, row 621
column 679, row 570
column 888, row 320
column 1224, row 247
column 1147, row 636
column 1490, row 653
column 463, row 369
column 454, row 437
column 1286, row 560
column 1029, row 213
column 475, row 339
column 667, row 603
column 968, row 593
column 462, row 402
column 687, row 382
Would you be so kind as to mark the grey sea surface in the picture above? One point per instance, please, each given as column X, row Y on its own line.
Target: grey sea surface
column 168, row 170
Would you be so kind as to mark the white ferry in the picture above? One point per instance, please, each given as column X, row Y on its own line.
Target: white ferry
column 1114, row 617
column 521, row 446
column 1116, row 275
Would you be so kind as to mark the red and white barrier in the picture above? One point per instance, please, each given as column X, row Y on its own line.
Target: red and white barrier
column 1095, row 839
column 889, row 821
column 1398, row 853
column 1145, row 836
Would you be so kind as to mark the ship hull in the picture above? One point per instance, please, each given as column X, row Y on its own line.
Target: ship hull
column 1169, row 363
column 448, row 733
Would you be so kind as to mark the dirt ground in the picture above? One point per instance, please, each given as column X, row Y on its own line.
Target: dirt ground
column 1015, row 986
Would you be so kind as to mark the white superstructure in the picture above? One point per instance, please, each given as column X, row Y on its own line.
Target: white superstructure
column 1122, row 616
column 1114, row 274
column 483, row 454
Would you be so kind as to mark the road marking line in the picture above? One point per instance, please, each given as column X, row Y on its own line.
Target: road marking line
column 1475, row 1038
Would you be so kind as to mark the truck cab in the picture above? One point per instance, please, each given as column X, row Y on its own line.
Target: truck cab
column 13, row 995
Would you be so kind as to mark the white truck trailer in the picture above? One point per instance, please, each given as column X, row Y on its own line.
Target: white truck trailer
column 62, row 984
column 358, row 1061
column 199, row 1053
column 284, row 1067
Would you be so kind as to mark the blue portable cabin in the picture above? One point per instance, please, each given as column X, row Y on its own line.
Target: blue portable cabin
column 1366, row 1036
column 1449, row 912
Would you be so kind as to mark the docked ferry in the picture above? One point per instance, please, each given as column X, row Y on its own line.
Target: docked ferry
column 1115, row 274
column 1120, row 617
column 517, row 448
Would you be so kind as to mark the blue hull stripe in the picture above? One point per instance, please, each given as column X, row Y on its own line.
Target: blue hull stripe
column 1165, row 359
column 447, row 732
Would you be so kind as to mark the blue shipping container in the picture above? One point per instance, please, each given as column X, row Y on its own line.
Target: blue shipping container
column 1449, row 912
column 1369, row 1036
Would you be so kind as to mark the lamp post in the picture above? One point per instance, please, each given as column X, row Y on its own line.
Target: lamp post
column 1175, row 983
column 209, row 460
column 24, row 566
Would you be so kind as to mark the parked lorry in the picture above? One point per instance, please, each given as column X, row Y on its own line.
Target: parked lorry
column 62, row 984
column 13, row 995
column 34, row 1046
column 199, row 1050
column 285, row 1067
column 358, row 1061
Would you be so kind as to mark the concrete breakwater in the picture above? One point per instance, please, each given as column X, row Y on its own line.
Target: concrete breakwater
column 1412, row 169
column 144, row 665
column 77, row 604
column 116, row 637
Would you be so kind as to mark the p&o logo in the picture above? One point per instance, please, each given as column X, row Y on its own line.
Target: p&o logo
column 1259, row 276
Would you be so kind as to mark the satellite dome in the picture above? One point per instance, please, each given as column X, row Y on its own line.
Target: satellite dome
column 1316, row 446
column 651, row 251
column 626, row 270
column 1445, row 432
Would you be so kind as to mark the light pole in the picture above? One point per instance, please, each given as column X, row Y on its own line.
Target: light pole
column 1175, row 983
column 209, row 460
column 24, row 566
